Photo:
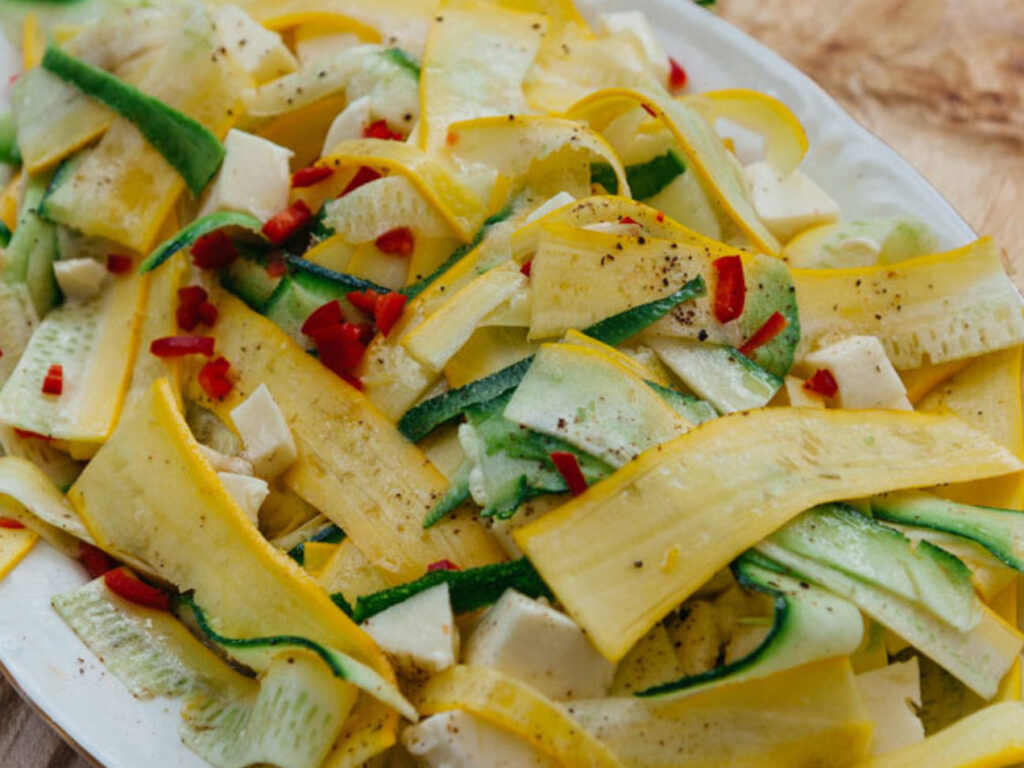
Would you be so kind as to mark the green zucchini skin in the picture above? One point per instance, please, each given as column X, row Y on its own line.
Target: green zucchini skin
column 456, row 495
column 799, row 608
column 470, row 589
column 193, row 151
column 247, row 279
column 770, row 289
column 5, row 235
column 33, row 249
column 188, row 235
column 691, row 408
column 332, row 534
column 422, row 419
column 645, row 179
column 9, row 152
column 404, row 60
column 997, row 530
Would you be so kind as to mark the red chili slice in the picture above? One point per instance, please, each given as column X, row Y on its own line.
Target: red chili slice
column 677, row 77
column 730, row 288
column 179, row 346
column 649, row 110
column 443, row 565
column 277, row 267
column 340, row 346
column 772, row 327
column 134, row 591
column 363, row 176
column 53, row 382
column 286, row 223
column 213, row 251
column 569, row 468
column 192, row 295
column 352, row 380
column 660, row 216
column 397, row 242
column 388, row 310
column 11, row 524
column 213, row 378
column 190, row 299
column 28, row 434
column 96, row 561
column 365, row 301
column 627, row 220
column 207, row 313
column 822, row 383
column 379, row 129
column 527, row 268
column 307, row 177
column 118, row 263
column 323, row 316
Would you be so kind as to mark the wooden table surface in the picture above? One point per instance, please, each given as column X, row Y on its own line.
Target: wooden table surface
column 942, row 81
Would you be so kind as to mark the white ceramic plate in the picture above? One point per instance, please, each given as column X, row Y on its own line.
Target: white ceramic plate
column 66, row 682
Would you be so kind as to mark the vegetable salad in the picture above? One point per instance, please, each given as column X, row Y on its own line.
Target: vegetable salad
column 449, row 384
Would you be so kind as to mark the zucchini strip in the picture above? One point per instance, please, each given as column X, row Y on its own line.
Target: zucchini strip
column 186, row 144
column 698, row 494
column 476, row 58
column 14, row 546
column 933, row 309
column 28, row 496
column 809, row 625
column 188, row 235
column 353, row 464
column 519, row 709
column 127, row 202
column 95, row 342
column 704, row 150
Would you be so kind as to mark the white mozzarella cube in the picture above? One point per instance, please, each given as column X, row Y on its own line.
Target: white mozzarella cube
column 458, row 739
column 250, row 492
column 349, row 124
column 540, row 646
column 268, row 441
column 418, row 634
column 254, row 177
column 222, row 462
column 788, row 205
column 79, row 278
column 799, row 397
column 863, row 372
column 254, row 48
column 635, row 25
column 890, row 695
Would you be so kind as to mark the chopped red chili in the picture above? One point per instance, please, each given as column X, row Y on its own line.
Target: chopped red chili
column 323, row 316
column 352, row 380
column 452, row 138
column 118, row 263
column 443, row 565
column 822, row 383
column 277, row 267
column 730, row 288
column 628, row 220
column 11, row 524
column 660, row 216
column 179, row 346
column 134, row 591
column 379, row 129
column 286, row 223
column 649, row 110
column 96, row 561
column 772, row 327
column 307, row 177
column 569, row 468
column 53, row 382
column 190, row 299
column 527, row 268
column 677, row 77
column 365, row 301
column 192, row 295
column 397, row 242
column 207, row 313
column 28, row 434
column 340, row 346
column 363, row 176
column 213, row 378
column 388, row 310
column 213, row 251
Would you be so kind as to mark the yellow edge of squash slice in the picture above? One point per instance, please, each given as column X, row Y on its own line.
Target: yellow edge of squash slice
column 15, row 544
column 28, row 496
column 353, row 463
column 517, row 708
column 326, row 22
column 722, row 487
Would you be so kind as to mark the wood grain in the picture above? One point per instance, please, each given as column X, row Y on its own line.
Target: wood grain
column 942, row 81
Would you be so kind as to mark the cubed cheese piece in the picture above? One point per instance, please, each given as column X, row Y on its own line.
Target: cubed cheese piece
column 635, row 25
column 222, row 462
column 314, row 46
column 552, row 204
column 458, row 739
column 257, row 50
column 540, row 646
column 800, row 397
column 254, row 177
column 418, row 634
column 79, row 278
column 349, row 124
column 889, row 695
column 268, row 441
column 250, row 492
column 788, row 205
column 864, row 374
